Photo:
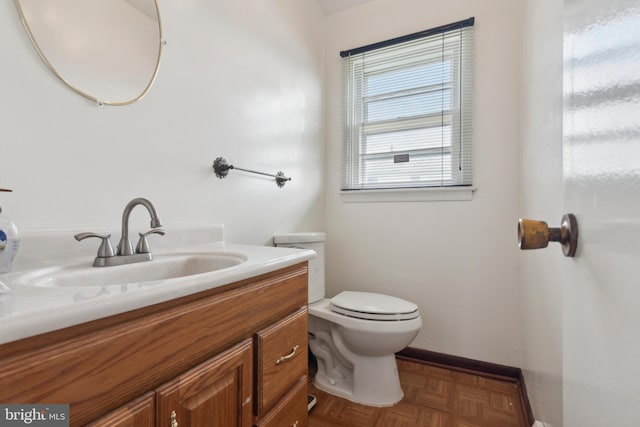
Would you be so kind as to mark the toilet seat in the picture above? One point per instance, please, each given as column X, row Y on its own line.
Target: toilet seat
column 372, row 306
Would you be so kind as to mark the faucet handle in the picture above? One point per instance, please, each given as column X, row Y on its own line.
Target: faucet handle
column 105, row 250
column 143, row 245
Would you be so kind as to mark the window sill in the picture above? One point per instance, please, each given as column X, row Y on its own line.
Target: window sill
column 438, row 194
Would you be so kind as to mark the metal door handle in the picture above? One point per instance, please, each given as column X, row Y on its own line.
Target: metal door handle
column 533, row 234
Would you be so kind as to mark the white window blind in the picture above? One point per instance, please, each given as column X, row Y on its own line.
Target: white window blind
column 407, row 111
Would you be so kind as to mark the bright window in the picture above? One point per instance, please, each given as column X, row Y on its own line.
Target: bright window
column 407, row 111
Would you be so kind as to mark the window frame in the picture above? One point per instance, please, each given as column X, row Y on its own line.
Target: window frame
column 355, row 103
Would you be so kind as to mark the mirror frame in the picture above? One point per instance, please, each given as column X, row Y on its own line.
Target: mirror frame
column 76, row 89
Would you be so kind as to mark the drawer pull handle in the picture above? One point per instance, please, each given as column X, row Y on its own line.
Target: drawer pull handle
column 174, row 422
column 289, row 356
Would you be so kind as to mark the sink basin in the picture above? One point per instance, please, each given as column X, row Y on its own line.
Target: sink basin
column 161, row 268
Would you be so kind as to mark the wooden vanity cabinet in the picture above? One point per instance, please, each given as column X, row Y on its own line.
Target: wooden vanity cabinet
column 203, row 360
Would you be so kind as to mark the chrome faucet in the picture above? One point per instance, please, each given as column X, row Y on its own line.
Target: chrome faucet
column 107, row 257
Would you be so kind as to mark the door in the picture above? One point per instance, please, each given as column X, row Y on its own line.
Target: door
column 601, row 174
column 216, row 393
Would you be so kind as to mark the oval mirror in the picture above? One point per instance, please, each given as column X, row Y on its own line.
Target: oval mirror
column 106, row 50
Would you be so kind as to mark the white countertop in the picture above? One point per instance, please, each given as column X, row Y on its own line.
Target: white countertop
column 29, row 310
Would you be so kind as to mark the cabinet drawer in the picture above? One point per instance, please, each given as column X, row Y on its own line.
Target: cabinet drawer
column 281, row 359
column 290, row 411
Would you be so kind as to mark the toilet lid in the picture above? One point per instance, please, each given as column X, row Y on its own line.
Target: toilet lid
column 371, row 306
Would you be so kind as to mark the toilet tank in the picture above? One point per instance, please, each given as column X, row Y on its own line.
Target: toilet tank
column 314, row 241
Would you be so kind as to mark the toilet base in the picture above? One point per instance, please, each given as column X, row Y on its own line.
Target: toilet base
column 375, row 382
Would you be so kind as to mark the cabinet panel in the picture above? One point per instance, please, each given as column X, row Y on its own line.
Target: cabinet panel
column 281, row 359
column 291, row 411
column 139, row 413
column 216, row 393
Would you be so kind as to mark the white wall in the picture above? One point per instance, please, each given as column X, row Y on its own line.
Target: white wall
column 456, row 260
column 239, row 79
column 541, row 198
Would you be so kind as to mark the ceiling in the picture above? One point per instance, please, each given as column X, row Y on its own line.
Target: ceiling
column 333, row 6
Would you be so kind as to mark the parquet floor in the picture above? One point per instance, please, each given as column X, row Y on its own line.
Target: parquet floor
column 433, row 397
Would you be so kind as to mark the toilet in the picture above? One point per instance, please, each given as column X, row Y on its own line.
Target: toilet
column 354, row 335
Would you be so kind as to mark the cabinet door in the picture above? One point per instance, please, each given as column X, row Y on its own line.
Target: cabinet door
column 216, row 393
column 138, row 413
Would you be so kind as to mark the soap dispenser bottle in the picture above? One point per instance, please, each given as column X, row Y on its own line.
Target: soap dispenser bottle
column 9, row 241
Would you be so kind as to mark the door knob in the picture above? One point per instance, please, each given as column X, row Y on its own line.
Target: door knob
column 534, row 234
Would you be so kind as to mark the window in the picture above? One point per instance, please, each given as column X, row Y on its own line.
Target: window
column 407, row 111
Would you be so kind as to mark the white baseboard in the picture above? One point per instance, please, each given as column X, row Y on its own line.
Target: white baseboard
column 538, row 424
